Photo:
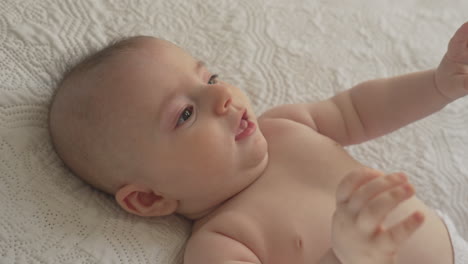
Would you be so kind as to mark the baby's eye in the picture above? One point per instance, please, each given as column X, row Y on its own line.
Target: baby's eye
column 185, row 115
column 213, row 79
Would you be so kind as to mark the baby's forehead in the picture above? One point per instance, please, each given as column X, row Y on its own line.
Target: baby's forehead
column 144, row 74
column 152, row 55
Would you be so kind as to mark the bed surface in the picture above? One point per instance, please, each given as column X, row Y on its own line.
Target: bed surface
column 276, row 51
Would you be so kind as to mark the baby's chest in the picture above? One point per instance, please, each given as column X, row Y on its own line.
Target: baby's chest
column 299, row 153
column 289, row 210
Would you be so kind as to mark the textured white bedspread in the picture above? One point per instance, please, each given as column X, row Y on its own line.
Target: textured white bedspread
column 277, row 51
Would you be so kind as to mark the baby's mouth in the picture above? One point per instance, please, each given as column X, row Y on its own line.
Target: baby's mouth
column 246, row 127
column 244, row 123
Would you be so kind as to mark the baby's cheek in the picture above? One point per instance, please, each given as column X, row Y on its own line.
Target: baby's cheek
column 213, row 155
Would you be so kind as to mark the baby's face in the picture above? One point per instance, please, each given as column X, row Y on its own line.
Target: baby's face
column 178, row 126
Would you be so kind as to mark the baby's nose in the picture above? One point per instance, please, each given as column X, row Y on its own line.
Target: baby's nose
column 222, row 98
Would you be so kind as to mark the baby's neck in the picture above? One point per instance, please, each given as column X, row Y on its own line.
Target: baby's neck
column 199, row 219
column 199, row 215
column 204, row 215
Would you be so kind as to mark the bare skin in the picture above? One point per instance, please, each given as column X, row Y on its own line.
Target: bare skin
column 286, row 191
column 286, row 215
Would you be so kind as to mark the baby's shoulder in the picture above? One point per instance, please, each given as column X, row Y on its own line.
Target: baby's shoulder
column 226, row 220
column 221, row 233
column 281, row 121
column 288, row 115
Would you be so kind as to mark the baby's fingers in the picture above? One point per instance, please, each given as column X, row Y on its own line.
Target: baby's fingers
column 376, row 210
column 352, row 181
column 400, row 232
column 458, row 45
column 372, row 189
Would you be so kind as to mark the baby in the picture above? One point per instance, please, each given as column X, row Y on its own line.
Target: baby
column 147, row 123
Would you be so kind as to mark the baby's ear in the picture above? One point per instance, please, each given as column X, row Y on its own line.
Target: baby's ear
column 144, row 202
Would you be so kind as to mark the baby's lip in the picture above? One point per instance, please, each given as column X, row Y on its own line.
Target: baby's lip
column 242, row 115
column 243, row 127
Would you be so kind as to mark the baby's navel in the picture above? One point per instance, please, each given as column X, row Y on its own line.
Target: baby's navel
column 299, row 243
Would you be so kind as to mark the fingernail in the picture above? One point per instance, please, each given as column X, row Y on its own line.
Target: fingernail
column 397, row 177
column 408, row 188
column 418, row 216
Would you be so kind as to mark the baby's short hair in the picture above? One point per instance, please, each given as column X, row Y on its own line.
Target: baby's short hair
column 68, row 117
column 96, row 58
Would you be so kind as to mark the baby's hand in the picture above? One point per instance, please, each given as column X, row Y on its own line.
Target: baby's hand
column 364, row 199
column 451, row 76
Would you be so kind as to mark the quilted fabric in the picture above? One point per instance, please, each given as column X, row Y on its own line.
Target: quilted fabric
column 276, row 51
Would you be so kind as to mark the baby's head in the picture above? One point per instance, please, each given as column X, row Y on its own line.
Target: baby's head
column 145, row 121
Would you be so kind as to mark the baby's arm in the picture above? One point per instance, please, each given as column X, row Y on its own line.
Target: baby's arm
column 364, row 198
column 384, row 105
column 374, row 108
column 211, row 247
column 377, row 107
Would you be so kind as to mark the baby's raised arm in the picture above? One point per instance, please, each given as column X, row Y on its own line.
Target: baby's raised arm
column 382, row 106
column 388, row 104
column 377, row 107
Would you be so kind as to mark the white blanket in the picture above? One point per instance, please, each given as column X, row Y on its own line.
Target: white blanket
column 277, row 51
